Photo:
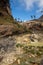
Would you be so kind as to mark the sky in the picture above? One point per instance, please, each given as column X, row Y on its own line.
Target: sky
column 24, row 9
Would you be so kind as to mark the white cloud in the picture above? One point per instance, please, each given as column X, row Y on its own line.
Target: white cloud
column 40, row 6
column 41, row 3
column 38, row 11
column 28, row 4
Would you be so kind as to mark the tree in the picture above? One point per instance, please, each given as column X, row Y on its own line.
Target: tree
column 42, row 12
column 34, row 16
column 15, row 19
column 18, row 19
column 31, row 17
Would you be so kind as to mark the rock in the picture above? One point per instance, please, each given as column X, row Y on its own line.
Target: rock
column 19, row 51
column 1, row 58
column 9, row 58
column 41, row 63
column 6, row 30
column 7, row 45
column 34, row 38
column 5, row 7
column 18, row 61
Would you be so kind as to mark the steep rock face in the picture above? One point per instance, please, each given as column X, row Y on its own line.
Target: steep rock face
column 5, row 17
column 4, row 7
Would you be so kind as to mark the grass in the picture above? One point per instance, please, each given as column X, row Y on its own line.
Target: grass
column 32, row 55
column 40, row 44
column 36, row 44
column 6, row 19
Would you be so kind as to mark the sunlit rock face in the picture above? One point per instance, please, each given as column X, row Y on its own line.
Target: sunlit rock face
column 4, row 7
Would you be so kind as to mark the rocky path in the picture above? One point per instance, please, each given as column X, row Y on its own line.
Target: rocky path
column 13, row 47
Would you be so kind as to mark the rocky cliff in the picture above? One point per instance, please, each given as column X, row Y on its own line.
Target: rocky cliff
column 8, row 25
column 34, row 25
column 4, row 7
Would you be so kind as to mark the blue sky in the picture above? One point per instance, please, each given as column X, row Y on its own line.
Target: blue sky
column 23, row 9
